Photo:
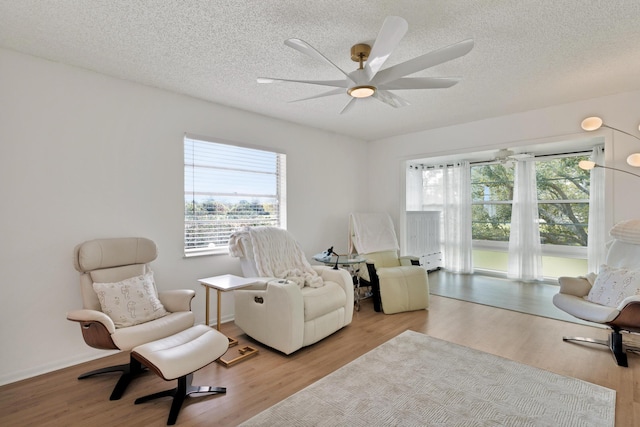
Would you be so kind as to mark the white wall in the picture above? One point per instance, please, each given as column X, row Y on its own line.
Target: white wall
column 84, row 156
column 549, row 125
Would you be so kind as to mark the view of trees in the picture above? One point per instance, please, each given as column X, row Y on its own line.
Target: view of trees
column 563, row 201
column 209, row 223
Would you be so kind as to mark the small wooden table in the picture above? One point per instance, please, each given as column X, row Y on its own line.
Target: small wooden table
column 224, row 283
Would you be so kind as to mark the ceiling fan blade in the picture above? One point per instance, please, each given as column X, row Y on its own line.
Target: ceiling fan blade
column 393, row 30
column 337, row 91
column 420, row 83
column 334, row 83
column 349, row 105
column 390, row 99
column 307, row 49
column 423, row 62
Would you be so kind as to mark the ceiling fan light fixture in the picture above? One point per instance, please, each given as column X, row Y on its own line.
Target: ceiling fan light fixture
column 363, row 91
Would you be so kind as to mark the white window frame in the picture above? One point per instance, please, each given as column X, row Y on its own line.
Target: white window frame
column 199, row 186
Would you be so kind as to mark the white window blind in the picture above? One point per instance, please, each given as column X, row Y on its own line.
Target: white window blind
column 227, row 187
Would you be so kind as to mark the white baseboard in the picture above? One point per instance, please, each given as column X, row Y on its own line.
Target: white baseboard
column 54, row 366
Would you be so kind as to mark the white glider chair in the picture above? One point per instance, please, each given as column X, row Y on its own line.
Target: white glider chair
column 612, row 297
column 294, row 303
column 115, row 271
column 398, row 284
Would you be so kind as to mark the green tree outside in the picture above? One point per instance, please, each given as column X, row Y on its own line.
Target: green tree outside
column 210, row 223
column 563, row 201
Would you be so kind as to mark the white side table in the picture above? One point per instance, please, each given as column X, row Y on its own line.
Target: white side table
column 224, row 283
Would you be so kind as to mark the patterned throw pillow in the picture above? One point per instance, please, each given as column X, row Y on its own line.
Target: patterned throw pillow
column 612, row 285
column 131, row 301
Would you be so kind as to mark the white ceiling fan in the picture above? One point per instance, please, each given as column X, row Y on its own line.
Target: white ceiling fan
column 504, row 155
column 508, row 158
column 369, row 80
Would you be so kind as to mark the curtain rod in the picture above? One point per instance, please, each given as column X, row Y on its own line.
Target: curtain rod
column 479, row 162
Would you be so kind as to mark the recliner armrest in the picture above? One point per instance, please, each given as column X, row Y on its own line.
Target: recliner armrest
column 343, row 278
column 176, row 300
column 340, row 276
column 259, row 284
column 85, row 315
column 576, row 286
column 409, row 260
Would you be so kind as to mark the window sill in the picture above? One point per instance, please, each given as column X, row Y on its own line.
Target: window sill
column 578, row 252
column 206, row 252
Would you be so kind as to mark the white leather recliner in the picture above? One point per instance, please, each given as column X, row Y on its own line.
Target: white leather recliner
column 295, row 304
column 106, row 262
column 397, row 283
column 611, row 297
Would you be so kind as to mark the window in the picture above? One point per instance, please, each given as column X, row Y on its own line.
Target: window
column 491, row 195
column 227, row 187
column 563, row 200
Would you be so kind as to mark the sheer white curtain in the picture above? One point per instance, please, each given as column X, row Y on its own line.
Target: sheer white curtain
column 457, row 218
column 525, row 250
column 414, row 188
column 596, row 234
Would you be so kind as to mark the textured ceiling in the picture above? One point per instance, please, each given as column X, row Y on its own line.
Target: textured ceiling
column 528, row 54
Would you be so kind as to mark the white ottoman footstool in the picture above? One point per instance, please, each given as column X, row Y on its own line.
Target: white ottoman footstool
column 178, row 357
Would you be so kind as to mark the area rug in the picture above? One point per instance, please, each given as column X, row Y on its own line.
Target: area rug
column 417, row 380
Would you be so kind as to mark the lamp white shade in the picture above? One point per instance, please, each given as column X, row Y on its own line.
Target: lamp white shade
column 634, row 160
column 586, row 164
column 591, row 123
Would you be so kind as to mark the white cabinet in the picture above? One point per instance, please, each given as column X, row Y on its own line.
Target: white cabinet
column 423, row 238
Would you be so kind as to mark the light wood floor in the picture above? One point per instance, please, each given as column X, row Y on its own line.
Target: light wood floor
column 59, row 399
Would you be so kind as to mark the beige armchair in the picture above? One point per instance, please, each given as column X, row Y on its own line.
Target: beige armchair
column 136, row 313
column 397, row 283
column 295, row 304
column 611, row 297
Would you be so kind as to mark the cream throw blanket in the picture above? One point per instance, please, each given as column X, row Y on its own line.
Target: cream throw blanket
column 276, row 254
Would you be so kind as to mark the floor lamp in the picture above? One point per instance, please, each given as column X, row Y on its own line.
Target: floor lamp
column 594, row 123
column 588, row 165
